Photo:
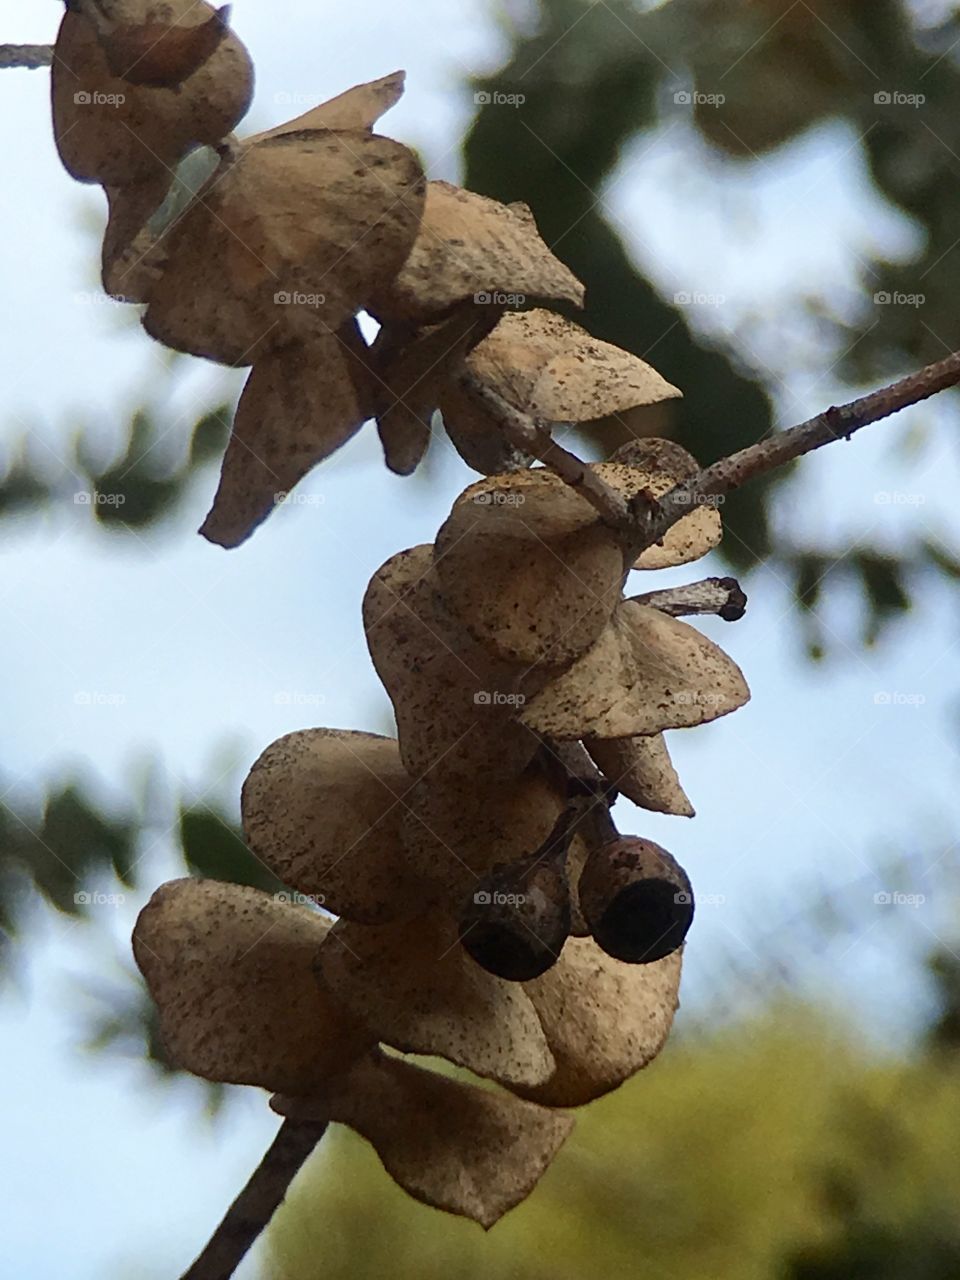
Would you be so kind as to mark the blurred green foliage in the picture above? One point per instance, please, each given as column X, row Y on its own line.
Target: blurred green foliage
column 137, row 489
column 778, row 1148
column 68, row 848
column 596, row 76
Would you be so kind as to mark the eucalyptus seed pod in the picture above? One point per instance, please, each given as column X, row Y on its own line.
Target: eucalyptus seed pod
column 516, row 921
column 636, row 899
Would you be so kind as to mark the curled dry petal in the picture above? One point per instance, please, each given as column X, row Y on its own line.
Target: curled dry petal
column 112, row 131
column 472, row 247
column 231, row 971
column 161, row 53
column 642, row 770
column 457, row 832
column 647, row 672
column 475, row 435
column 322, row 808
column 454, row 1146
column 552, row 369
column 285, row 242
column 604, row 1020
column 128, row 271
column 455, row 704
column 524, row 563
column 357, row 108
column 657, row 466
column 300, row 404
column 413, row 374
column 415, row 988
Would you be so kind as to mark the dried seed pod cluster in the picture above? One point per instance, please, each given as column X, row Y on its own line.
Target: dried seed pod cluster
column 294, row 232
column 488, row 910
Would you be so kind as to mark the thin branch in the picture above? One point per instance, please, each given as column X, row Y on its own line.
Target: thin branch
column 257, row 1202
column 30, row 56
column 524, row 433
column 722, row 596
column 644, row 522
column 839, row 422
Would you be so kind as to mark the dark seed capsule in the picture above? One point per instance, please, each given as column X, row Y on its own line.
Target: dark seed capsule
column 517, row 920
column 636, row 899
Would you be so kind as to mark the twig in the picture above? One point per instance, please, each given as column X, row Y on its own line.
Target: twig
column 524, row 433
column 257, row 1202
column 645, row 522
column 722, row 596
column 836, row 423
column 30, row 56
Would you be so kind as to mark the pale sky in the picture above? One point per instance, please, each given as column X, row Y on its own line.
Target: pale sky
column 107, row 1175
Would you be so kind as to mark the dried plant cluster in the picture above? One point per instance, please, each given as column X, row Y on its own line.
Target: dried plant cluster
column 480, row 906
column 487, row 910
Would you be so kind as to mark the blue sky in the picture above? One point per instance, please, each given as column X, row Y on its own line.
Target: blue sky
column 194, row 650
